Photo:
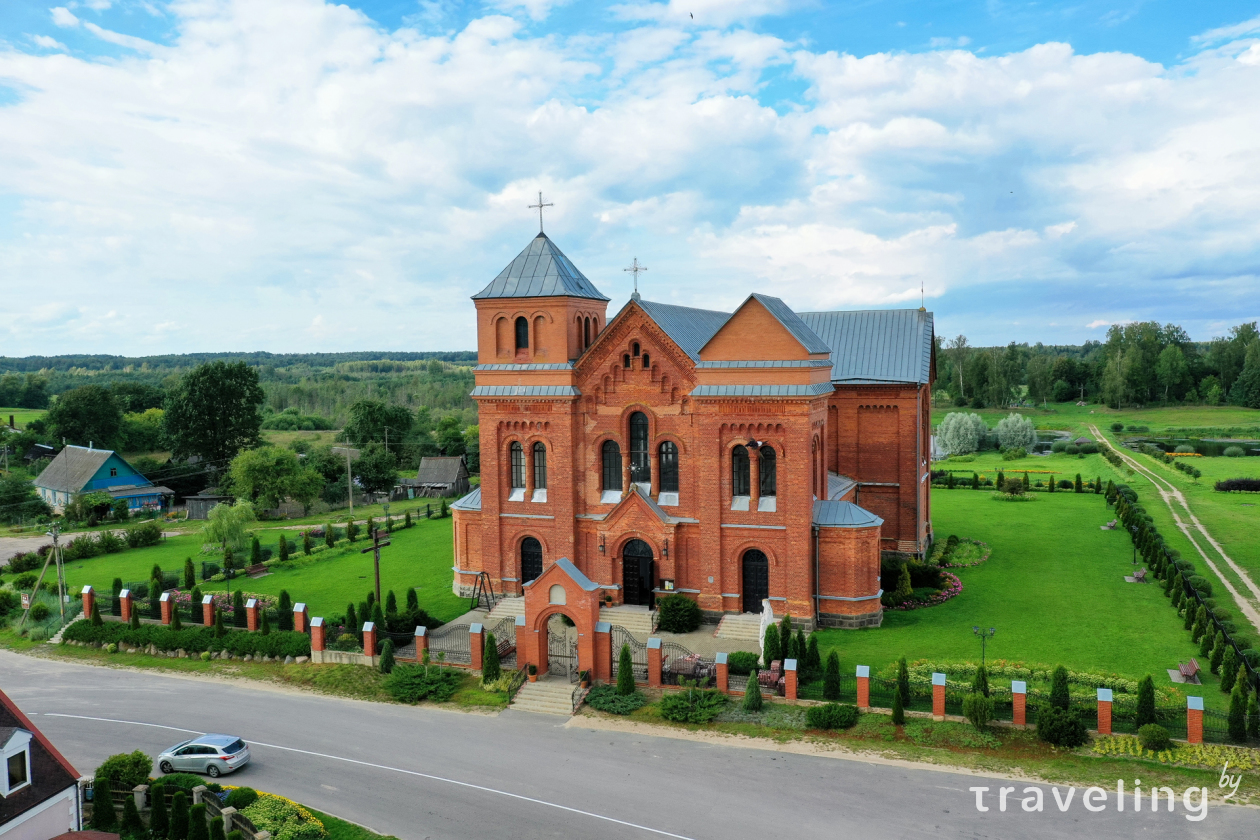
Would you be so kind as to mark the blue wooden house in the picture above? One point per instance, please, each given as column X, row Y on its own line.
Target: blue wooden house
column 77, row 469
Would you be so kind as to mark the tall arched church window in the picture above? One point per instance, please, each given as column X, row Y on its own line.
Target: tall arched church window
column 647, row 361
column 769, row 474
column 522, row 333
column 540, row 466
column 586, row 333
column 640, row 468
column 611, row 456
column 669, row 467
column 740, row 481
column 634, row 349
column 518, row 466
column 625, row 361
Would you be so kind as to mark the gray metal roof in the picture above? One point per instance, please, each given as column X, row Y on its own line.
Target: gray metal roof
column 876, row 345
column 441, row 469
column 836, row 514
column 541, row 270
column 798, row 328
column 762, row 390
column 766, row 363
column 509, row 366
column 525, row 391
column 470, row 502
column 838, row 485
column 689, row 328
column 566, row 565
column 72, row 469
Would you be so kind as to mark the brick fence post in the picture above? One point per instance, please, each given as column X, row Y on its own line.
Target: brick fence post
column 301, row 619
column 168, row 607
column 1104, row 711
column 207, row 610
column 1194, row 720
column 139, row 793
column 251, row 615
column 422, row 642
column 723, row 674
column 864, row 686
column 227, row 813
column 1019, row 702
column 317, row 640
column 938, row 696
column 477, row 644
column 654, row 662
column 199, row 794
column 369, row 641
column 89, row 600
column 603, row 650
column 789, row 679
column 125, row 605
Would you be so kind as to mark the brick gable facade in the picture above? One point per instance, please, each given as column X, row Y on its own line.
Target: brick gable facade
column 583, row 418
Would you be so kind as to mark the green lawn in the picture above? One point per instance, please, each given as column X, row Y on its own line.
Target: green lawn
column 1070, row 416
column 21, row 416
column 1053, row 588
column 419, row 557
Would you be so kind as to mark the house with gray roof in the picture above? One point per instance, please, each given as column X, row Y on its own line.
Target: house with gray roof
column 438, row 476
column 78, row 469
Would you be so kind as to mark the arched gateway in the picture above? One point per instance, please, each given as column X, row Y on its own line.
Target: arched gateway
column 561, row 590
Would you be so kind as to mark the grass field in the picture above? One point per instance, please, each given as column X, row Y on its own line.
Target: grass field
column 1070, row 416
column 278, row 438
column 419, row 557
column 1053, row 588
column 21, row 416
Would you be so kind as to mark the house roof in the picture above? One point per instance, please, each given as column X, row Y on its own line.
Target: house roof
column 838, row 485
column 470, row 502
column 541, row 270
column 72, row 469
column 127, row 491
column 876, row 345
column 441, row 470
column 574, row 572
column 801, row 331
column 524, row 391
column 762, row 390
column 687, row 327
column 51, row 773
column 836, row 514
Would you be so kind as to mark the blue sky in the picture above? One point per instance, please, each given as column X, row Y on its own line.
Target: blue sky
column 299, row 176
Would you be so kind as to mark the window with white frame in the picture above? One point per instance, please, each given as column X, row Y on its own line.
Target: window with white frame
column 17, row 762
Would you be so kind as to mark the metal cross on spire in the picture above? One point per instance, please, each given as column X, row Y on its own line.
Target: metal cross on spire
column 634, row 269
column 539, row 207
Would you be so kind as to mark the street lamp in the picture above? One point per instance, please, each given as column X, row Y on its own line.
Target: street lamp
column 984, row 635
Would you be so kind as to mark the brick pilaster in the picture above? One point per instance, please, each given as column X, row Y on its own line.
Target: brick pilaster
column 167, row 605
column 723, row 674
column 369, row 639
column 251, row 615
column 1194, row 720
column 1019, row 702
column 317, row 634
column 126, row 604
column 89, row 600
column 603, row 650
column 938, row 696
column 301, row 618
column 422, row 642
column 654, row 662
column 789, row 679
column 864, row 686
column 207, row 610
column 1104, row 711
column 477, row 644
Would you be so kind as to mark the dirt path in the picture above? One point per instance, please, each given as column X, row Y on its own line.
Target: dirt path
column 1169, row 493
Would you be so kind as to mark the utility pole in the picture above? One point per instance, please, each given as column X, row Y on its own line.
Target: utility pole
column 61, row 573
column 377, row 545
column 351, row 455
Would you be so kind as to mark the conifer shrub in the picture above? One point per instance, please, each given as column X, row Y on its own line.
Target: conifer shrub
column 1229, row 669
column 741, row 662
column 978, row 709
column 255, row 552
column 831, row 716
column 1061, row 727
column 770, row 647
column 104, row 818
column 391, row 603
column 96, row 614
column 239, row 619
column 219, row 629
column 132, row 824
column 197, row 829
column 980, row 683
column 1238, row 713
column 190, row 574
column 159, row 817
column 242, row 798
column 1060, row 698
column 1253, row 718
column 413, row 601
column 831, row 677
column 1218, row 653
column 284, row 611
column 235, row 835
column 678, row 614
column 813, row 659
column 407, row 519
column 752, row 695
column 306, row 542
column 1145, row 701
column 625, row 672
column 282, row 550
column 903, row 679
column 490, row 668
column 898, row 708
column 352, row 620
column 330, row 535
column 606, row 699
column 179, row 816
column 216, row 829
column 176, row 625
column 692, row 705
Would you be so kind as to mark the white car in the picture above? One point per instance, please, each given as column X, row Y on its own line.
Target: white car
column 213, row 755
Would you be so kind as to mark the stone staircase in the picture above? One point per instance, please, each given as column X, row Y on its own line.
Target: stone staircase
column 545, row 697
column 744, row 627
column 504, row 608
column 56, row 639
column 640, row 621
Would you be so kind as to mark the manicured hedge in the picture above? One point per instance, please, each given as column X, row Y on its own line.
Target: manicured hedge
column 1239, row 485
column 191, row 639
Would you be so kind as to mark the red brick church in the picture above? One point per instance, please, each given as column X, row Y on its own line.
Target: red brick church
column 730, row 456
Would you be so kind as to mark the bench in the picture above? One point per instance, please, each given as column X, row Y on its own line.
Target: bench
column 1110, row 526
column 1189, row 671
column 257, row 570
column 1139, row 576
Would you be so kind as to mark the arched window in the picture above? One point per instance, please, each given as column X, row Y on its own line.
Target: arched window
column 522, row 333
column 540, row 466
column 634, row 349
column 669, row 467
column 625, row 361
column 740, row 480
column 612, row 465
column 640, row 468
column 518, row 465
column 769, row 477
column 647, row 362
column 586, row 333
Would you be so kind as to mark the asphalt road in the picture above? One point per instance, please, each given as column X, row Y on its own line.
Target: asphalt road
column 426, row 773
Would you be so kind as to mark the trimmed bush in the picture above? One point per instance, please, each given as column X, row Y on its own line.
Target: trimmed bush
column 413, row 683
column 179, row 816
column 770, row 647
column 1154, row 737
column 242, row 798
column 898, row 708
column 978, row 709
column 490, row 668
column 127, row 769
column 678, row 614
column 197, row 823
column 1060, row 698
column 693, row 705
column 831, row 716
column 752, row 695
column 1233, row 452
column 216, row 829
column 606, row 699
column 159, row 817
column 1238, row 713
column 831, row 678
column 387, row 656
column 625, row 672
column 192, row 639
column 1061, row 727
column 903, row 679
column 1146, row 702
column 132, row 825
column 741, row 662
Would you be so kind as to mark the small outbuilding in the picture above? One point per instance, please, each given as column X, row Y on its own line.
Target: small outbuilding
column 438, row 476
column 199, row 505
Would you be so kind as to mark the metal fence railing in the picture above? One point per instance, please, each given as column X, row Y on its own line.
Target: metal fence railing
column 453, row 641
column 678, row 664
column 621, row 637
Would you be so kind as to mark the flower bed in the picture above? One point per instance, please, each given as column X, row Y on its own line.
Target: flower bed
column 284, row 818
column 1200, row 755
column 953, row 586
column 974, row 547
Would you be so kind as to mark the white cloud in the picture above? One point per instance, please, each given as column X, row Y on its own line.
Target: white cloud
column 1227, row 33
column 718, row 13
column 48, row 42
column 1093, row 325
column 536, row 9
column 64, row 17
column 97, row 5
column 944, row 43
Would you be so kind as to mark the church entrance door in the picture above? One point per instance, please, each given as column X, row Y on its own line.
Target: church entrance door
column 531, row 559
column 637, row 576
column 756, row 586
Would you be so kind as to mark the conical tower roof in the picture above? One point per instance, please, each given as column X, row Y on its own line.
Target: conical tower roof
column 541, row 270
